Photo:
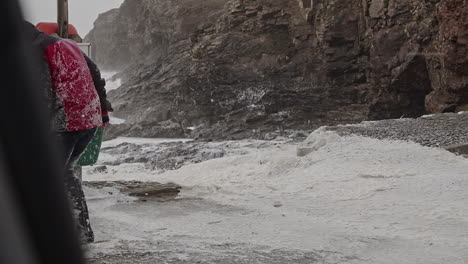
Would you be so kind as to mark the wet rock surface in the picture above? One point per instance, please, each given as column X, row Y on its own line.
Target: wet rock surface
column 151, row 249
column 239, row 68
column 144, row 129
column 460, row 149
column 222, row 254
column 142, row 190
column 174, row 155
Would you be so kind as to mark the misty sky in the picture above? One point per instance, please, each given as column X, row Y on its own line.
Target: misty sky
column 82, row 13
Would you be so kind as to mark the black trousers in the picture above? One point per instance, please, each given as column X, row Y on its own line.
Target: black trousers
column 74, row 144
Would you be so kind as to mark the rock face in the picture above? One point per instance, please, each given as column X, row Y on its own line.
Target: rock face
column 449, row 71
column 237, row 68
column 418, row 57
column 107, row 48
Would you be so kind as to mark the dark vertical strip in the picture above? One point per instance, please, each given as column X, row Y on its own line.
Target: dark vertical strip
column 30, row 151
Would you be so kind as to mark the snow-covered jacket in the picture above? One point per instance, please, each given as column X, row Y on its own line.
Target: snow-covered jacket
column 73, row 100
column 100, row 84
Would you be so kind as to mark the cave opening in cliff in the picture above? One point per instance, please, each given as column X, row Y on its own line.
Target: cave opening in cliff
column 406, row 93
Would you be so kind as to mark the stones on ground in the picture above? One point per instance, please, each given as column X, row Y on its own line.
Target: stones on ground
column 441, row 130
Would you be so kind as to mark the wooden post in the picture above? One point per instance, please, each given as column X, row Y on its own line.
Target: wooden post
column 62, row 18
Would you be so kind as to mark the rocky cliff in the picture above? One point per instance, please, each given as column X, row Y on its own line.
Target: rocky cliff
column 240, row 68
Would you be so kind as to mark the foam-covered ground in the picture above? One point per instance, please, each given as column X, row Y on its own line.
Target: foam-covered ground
column 353, row 200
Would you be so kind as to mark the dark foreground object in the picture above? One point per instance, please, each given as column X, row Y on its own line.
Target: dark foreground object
column 35, row 218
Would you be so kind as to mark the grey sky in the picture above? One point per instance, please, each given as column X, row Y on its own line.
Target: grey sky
column 82, row 13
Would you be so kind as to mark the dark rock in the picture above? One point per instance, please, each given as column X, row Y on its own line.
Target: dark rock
column 246, row 68
column 461, row 149
column 100, row 169
column 143, row 190
column 174, row 155
column 145, row 129
column 448, row 64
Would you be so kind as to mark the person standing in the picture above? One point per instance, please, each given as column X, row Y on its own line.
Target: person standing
column 75, row 108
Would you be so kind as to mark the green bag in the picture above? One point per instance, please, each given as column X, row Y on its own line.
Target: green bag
column 91, row 154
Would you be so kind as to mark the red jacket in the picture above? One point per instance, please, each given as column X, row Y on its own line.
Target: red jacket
column 75, row 103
